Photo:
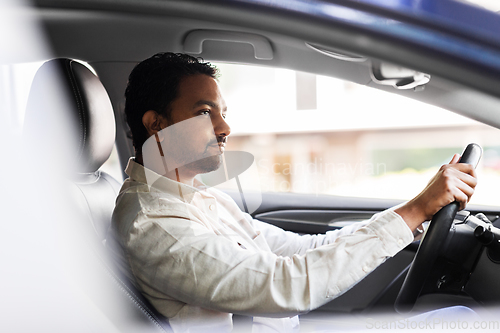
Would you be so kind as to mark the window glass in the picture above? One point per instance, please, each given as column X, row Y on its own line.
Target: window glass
column 321, row 135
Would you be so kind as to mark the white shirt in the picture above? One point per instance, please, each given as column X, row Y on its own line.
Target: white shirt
column 198, row 258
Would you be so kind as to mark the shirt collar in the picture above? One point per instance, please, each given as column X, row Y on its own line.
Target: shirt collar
column 139, row 173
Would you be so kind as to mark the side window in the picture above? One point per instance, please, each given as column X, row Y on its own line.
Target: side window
column 321, row 135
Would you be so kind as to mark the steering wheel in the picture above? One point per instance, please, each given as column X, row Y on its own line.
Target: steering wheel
column 431, row 243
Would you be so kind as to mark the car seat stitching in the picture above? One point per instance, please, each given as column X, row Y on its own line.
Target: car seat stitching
column 79, row 105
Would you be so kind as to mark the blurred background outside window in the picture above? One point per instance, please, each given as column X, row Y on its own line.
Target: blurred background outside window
column 320, row 135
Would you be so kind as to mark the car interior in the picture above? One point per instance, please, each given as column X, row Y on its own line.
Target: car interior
column 95, row 44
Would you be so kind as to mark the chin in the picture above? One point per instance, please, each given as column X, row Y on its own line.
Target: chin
column 205, row 165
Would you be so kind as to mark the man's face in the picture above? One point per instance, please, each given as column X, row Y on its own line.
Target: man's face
column 197, row 145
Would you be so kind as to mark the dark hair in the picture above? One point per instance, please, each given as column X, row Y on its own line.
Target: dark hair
column 154, row 83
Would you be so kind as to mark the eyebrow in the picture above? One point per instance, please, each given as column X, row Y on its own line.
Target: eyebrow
column 209, row 103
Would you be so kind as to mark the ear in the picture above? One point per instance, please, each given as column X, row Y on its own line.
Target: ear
column 153, row 122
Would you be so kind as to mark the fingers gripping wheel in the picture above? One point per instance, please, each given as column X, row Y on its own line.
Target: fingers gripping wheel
column 431, row 243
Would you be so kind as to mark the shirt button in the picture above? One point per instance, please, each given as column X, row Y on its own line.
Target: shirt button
column 366, row 269
column 211, row 207
column 400, row 242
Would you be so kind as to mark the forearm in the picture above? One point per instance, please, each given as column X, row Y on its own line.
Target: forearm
column 412, row 214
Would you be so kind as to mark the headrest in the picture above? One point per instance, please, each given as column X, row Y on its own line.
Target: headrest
column 69, row 107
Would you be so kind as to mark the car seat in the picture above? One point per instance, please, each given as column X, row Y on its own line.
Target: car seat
column 68, row 89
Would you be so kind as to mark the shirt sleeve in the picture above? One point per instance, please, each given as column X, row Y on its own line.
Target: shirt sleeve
column 179, row 258
column 286, row 243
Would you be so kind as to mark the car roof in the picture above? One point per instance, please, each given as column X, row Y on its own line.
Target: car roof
column 456, row 43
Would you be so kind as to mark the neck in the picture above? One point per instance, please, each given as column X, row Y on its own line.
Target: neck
column 182, row 176
column 138, row 158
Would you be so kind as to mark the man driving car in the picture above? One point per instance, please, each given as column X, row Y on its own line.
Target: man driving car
column 195, row 255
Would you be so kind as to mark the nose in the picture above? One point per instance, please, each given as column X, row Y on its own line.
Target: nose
column 221, row 127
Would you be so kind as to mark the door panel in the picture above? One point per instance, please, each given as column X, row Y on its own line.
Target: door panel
column 315, row 221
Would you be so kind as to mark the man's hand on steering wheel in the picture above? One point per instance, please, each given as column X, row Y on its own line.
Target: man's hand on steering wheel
column 453, row 182
column 446, row 193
